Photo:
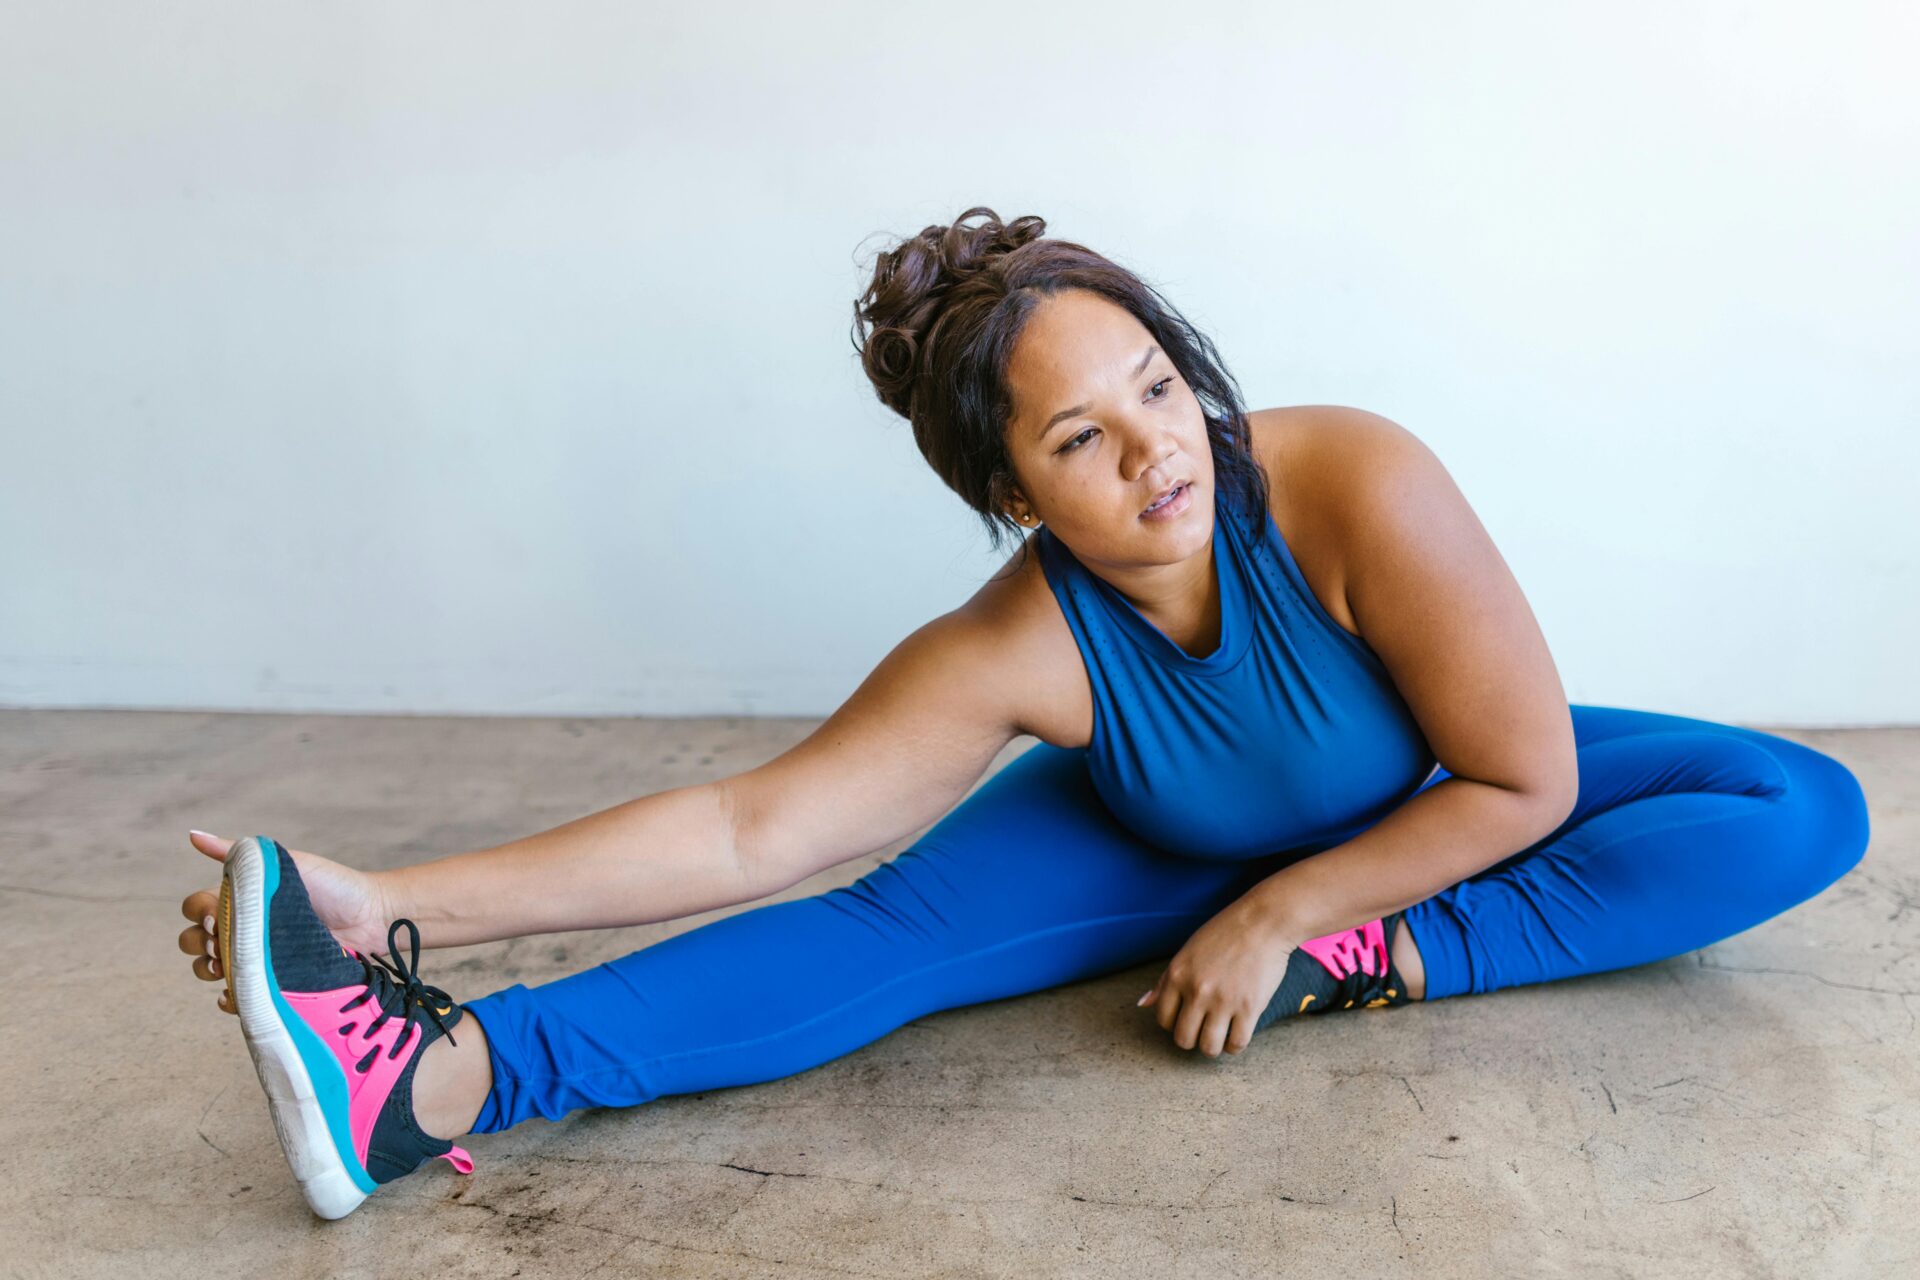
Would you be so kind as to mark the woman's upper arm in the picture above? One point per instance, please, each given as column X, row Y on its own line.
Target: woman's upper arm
column 898, row 753
column 1435, row 599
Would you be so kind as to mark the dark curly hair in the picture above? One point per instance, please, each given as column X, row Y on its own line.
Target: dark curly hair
column 938, row 324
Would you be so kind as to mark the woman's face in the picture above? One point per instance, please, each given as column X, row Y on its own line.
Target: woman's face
column 1134, row 429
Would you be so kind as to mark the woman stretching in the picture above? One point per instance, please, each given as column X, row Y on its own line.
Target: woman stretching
column 1300, row 736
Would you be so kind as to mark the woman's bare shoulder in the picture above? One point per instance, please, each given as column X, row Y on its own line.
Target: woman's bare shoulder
column 1016, row 612
column 1283, row 441
column 1309, row 451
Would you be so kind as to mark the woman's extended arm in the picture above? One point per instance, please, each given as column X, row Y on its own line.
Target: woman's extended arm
column 907, row 744
column 659, row 857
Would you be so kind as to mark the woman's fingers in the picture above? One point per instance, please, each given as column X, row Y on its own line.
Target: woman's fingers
column 1176, row 1007
column 206, row 958
column 200, row 939
column 1241, row 1033
column 1196, row 1024
column 1213, row 1034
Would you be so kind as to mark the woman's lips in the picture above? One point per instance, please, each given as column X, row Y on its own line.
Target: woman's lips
column 1172, row 507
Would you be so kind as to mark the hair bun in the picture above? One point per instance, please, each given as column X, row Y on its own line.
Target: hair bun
column 911, row 283
column 963, row 250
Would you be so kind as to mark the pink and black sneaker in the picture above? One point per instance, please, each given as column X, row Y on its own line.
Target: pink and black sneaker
column 1339, row 971
column 335, row 1035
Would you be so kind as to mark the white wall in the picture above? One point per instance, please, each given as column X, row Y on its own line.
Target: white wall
column 493, row 358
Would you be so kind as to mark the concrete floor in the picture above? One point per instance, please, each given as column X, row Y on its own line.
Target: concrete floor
column 1752, row 1109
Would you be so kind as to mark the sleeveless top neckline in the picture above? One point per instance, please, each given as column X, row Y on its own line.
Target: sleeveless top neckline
column 1230, row 575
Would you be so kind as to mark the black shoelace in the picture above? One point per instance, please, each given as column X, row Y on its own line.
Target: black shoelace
column 401, row 993
column 1360, row 988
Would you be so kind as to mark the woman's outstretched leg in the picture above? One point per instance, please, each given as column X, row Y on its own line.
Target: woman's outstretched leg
column 1686, row 832
column 370, row 1072
column 1028, row 883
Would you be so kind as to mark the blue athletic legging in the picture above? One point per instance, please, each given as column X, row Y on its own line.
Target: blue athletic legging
column 1685, row 832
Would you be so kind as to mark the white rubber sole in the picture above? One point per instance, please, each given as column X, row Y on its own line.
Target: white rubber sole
column 330, row 1189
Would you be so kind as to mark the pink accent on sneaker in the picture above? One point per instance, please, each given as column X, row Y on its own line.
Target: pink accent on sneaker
column 1364, row 949
column 458, row 1159
column 366, row 1091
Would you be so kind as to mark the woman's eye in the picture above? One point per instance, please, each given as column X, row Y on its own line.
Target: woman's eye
column 1074, row 443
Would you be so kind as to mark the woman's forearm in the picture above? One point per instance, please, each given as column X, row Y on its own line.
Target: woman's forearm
column 1453, row 830
column 659, row 857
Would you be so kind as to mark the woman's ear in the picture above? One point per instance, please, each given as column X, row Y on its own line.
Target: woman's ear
column 1004, row 492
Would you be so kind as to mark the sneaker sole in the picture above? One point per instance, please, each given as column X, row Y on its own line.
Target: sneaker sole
column 312, row 1145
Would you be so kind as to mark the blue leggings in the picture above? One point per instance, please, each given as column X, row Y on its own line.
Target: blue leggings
column 1686, row 832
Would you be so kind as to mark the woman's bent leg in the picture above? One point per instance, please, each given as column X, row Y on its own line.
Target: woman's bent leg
column 1686, row 832
column 1028, row 883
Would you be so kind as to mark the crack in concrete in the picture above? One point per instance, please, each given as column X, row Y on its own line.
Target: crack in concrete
column 1802, row 973
column 1902, row 900
column 765, row 1173
column 200, row 1125
column 1134, row 1204
column 750, row 1198
column 665, row 1161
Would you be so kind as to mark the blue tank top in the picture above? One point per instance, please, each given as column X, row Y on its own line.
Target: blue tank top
column 1289, row 735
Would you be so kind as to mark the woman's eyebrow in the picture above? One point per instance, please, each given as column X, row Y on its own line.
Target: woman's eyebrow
column 1054, row 421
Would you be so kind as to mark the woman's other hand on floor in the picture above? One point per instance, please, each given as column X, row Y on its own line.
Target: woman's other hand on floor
column 1215, row 988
